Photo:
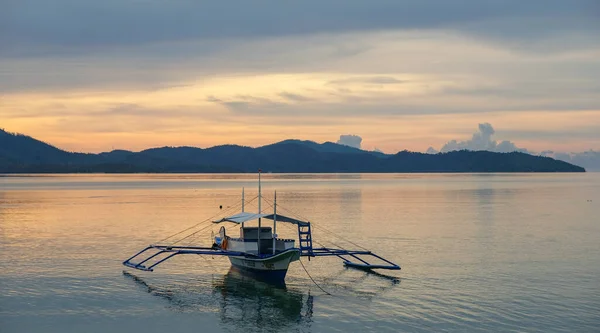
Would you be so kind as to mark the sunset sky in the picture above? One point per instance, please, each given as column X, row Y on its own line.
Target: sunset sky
column 132, row 74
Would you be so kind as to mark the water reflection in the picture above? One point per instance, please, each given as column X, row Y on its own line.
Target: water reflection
column 350, row 203
column 246, row 302
column 367, row 285
column 243, row 303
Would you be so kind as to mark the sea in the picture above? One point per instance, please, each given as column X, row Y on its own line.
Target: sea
column 479, row 253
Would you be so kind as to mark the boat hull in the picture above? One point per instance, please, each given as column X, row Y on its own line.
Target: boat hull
column 273, row 268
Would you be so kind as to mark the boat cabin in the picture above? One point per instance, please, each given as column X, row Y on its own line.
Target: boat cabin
column 248, row 241
column 251, row 233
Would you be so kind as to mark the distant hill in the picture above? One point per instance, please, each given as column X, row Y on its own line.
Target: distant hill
column 23, row 154
column 330, row 147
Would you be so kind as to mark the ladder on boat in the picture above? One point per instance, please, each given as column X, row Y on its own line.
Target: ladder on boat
column 305, row 237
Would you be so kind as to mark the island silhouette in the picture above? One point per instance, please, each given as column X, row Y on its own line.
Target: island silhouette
column 23, row 154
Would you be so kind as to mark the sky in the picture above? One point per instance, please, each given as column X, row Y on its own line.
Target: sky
column 94, row 76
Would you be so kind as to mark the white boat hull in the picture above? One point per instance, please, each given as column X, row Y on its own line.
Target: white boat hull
column 271, row 268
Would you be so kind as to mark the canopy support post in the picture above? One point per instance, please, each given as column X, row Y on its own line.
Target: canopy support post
column 275, row 223
column 242, row 205
column 259, row 212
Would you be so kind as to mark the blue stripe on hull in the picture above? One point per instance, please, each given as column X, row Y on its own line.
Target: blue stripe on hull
column 273, row 276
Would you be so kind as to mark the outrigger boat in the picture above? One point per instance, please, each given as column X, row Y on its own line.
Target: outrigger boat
column 258, row 250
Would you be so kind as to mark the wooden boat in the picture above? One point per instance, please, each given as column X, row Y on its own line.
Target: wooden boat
column 258, row 251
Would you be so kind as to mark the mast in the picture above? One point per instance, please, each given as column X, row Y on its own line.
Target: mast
column 259, row 212
column 242, row 205
column 275, row 222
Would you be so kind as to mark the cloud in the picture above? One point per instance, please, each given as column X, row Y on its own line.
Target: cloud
column 365, row 80
column 37, row 27
column 250, row 105
column 348, row 65
column 470, row 77
column 350, row 140
column 213, row 99
column 482, row 140
column 294, row 97
column 590, row 159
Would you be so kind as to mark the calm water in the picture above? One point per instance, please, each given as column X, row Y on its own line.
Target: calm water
column 482, row 253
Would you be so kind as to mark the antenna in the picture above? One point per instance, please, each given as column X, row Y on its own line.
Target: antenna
column 259, row 212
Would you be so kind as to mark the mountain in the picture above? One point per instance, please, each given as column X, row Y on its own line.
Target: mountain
column 20, row 148
column 23, row 154
column 330, row 147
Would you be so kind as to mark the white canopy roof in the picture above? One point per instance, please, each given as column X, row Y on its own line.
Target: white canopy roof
column 242, row 217
column 247, row 216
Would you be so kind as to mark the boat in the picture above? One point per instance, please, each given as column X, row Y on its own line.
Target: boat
column 258, row 250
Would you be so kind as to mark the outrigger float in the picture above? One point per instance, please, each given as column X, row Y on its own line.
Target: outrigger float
column 258, row 250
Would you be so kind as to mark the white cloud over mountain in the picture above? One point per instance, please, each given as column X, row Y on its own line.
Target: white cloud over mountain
column 482, row 140
column 350, row 140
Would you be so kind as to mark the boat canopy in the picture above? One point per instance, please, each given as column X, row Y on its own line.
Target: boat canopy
column 246, row 216
column 282, row 218
column 241, row 217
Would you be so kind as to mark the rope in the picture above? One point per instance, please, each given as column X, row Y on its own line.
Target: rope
column 196, row 232
column 202, row 222
column 210, row 226
column 313, row 280
column 286, row 225
column 340, row 237
column 319, row 227
column 192, row 227
column 190, row 235
column 314, row 241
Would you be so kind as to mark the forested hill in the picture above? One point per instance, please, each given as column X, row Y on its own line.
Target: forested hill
column 23, row 154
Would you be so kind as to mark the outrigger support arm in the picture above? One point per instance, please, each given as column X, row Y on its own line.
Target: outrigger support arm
column 307, row 250
column 343, row 254
column 171, row 251
column 156, row 251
